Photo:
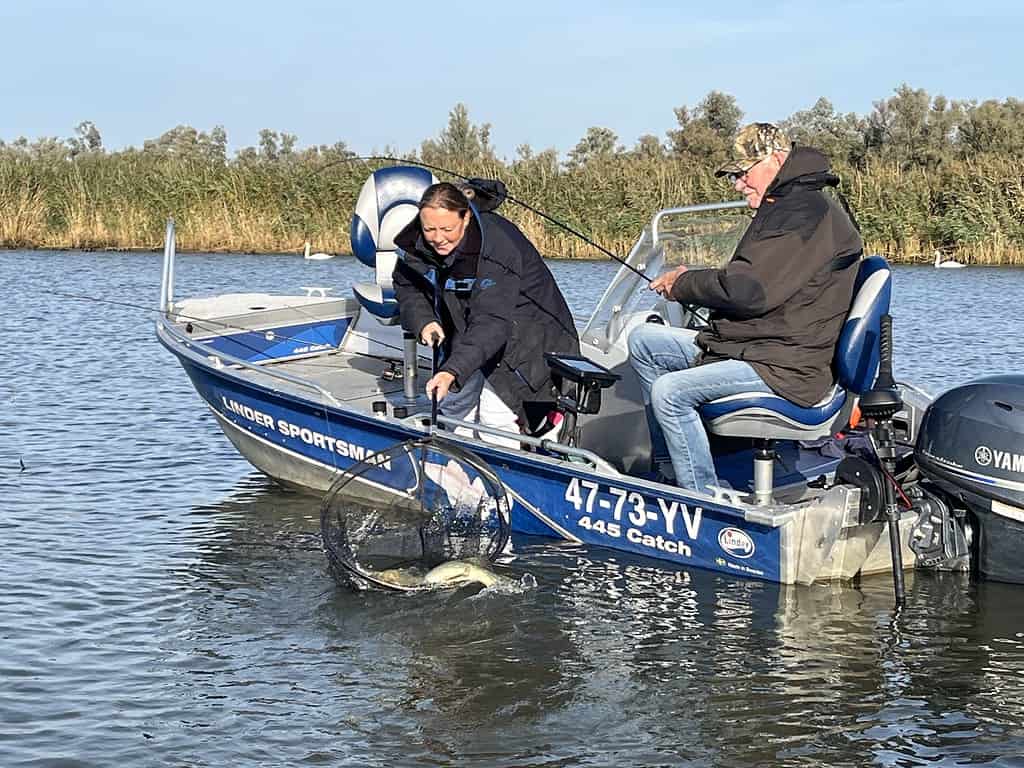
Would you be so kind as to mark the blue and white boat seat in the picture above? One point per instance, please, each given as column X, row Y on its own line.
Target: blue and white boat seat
column 855, row 365
column 387, row 203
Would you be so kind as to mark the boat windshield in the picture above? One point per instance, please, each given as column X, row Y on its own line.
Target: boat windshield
column 696, row 235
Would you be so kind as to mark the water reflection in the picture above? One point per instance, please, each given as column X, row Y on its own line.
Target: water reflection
column 165, row 605
column 660, row 665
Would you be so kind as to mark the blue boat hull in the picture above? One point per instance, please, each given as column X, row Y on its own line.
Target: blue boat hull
column 304, row 443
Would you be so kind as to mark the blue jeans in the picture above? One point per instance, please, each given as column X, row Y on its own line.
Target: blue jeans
column 462, row 403
column 477, row 402
column 673, row 390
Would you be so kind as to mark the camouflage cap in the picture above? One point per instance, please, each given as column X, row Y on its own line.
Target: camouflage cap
column 754, row 143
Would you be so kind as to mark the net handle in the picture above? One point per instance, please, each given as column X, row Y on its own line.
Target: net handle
column 435, row 353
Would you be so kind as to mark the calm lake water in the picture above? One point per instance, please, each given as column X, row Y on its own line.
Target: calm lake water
column 163, row 604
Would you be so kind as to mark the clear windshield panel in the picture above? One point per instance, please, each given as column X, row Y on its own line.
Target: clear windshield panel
column 627, row 292
column 699, row 235
column 702, row 238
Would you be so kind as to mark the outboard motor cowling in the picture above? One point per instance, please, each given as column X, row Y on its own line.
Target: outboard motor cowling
column 971, row 445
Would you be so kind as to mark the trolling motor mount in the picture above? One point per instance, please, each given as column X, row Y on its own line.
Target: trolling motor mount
column 942, row 535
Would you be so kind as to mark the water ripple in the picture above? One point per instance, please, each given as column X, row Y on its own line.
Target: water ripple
column 165, row 605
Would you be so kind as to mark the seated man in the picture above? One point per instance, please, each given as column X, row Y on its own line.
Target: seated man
column 470, row 279
column 777, row 307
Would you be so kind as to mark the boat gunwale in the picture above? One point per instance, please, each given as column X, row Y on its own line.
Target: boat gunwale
column 186, row 347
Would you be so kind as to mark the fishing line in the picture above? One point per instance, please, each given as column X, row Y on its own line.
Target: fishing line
column 694, row 311
column 470, row 181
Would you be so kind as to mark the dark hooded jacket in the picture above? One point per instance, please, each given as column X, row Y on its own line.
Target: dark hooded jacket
column 502, row 326
column 780, row 302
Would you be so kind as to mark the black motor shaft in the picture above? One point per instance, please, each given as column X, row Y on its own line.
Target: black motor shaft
column 879, row 404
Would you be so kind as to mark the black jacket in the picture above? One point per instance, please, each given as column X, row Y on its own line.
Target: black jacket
column 780, row 302
column 504, row 324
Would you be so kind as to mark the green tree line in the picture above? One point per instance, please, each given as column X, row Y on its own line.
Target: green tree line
column 922, row 173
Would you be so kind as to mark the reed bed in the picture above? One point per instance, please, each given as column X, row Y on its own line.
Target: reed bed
column 971, row 210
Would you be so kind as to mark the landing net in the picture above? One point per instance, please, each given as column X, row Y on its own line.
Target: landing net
column 388, row 520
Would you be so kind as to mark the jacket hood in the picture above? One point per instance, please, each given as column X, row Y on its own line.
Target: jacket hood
column 488, row 194
column 805, row 166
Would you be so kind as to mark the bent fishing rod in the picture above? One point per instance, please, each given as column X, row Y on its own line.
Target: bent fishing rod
column 473, row 184
column 377, row 158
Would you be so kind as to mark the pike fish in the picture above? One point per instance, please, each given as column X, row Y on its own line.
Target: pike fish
column 454, row 573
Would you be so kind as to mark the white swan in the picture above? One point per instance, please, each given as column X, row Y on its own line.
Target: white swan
column 316, row 256
column 951, row 264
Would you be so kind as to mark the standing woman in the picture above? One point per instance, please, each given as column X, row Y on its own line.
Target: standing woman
column 471, row 280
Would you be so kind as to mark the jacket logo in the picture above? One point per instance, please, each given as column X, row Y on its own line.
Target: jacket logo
column 486, row 283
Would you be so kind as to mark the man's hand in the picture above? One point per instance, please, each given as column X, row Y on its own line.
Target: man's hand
column 440, row 383
column 663, row 283
column 429, row 331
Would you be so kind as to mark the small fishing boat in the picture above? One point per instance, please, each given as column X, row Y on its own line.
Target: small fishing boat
column 306, row 386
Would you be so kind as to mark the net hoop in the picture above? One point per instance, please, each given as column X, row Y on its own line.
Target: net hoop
column 344, row 564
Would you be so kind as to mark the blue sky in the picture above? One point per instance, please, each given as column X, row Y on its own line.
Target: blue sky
column 385, row 72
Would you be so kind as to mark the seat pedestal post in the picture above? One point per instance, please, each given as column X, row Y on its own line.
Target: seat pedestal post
column 410, row 368
column 764, row 471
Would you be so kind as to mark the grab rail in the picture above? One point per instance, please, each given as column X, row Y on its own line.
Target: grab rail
column 549, row 445
column 690, row 209
column 536, row 442
column 167, row 279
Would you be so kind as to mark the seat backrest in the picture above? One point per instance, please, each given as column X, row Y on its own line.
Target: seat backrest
column 857, row 353
column 388, row 201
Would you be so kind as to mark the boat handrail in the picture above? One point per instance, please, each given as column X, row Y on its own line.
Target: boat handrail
column 168, row 327
column 536, row 442
column 590, row 457
column 690, row 209
column 167, row 279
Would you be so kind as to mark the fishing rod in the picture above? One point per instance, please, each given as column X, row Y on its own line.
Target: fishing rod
column 474, row 184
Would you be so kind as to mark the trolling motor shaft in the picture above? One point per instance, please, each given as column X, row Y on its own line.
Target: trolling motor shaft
column 879, row 404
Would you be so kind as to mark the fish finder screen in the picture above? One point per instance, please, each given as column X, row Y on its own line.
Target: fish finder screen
column 581, row 365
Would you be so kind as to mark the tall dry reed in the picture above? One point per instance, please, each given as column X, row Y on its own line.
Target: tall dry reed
column 972, row 209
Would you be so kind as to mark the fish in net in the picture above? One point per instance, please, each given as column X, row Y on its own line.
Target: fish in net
column 422, row 514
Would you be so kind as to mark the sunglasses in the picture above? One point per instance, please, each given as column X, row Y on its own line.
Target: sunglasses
column 734, row 176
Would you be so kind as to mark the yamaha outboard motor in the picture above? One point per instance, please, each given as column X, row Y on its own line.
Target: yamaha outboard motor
column 970, row 449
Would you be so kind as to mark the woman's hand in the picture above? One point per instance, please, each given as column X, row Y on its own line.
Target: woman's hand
column 429, row 332
column 440, row 383
column 663, row 283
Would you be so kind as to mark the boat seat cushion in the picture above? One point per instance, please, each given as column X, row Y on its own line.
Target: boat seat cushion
column 855, row 366
column 857, row 353
column 764, row 415
column 388, row 201
column 378, row 300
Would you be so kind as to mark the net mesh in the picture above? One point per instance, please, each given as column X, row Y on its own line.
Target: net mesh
column 390, row 519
